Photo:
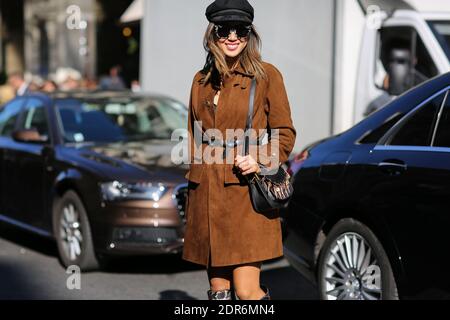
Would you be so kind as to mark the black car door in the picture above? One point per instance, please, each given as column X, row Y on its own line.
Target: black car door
column 407, row 183
column 27, row 165
column 9, row 116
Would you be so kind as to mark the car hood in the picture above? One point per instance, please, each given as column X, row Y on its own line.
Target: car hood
column 136, row 160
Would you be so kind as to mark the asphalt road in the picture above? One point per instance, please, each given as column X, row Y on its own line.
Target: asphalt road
column 29, row 269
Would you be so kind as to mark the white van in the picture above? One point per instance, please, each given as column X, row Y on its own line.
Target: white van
column 406, row 48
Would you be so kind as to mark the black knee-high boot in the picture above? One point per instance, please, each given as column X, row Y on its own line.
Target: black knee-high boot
column 267, row 295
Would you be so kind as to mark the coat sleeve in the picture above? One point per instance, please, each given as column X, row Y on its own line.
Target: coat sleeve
column 191, row 142
column 194, row 163
column 279, row 122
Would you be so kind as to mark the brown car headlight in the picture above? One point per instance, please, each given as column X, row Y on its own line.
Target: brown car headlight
column 112, row 191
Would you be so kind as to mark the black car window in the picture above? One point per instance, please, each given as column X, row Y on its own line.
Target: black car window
column 9, row 116
column 442, row 138
column 376, row 134
column 35, row 117
column 417, row 130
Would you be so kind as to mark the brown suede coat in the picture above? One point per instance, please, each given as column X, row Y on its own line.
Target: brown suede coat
column 222, row 227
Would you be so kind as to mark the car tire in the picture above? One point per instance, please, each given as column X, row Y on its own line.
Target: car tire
column 349, row 274
column 71, row 226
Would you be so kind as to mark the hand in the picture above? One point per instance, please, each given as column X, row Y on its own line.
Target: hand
column 247, row 165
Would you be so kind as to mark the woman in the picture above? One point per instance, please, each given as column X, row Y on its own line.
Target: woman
column 223, row 232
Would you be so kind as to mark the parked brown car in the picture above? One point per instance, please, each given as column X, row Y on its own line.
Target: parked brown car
column 94, row 172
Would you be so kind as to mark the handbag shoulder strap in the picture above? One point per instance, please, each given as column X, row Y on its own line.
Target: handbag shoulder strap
column 249, row 116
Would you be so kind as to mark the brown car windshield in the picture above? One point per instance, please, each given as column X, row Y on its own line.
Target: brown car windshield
column 119, row 120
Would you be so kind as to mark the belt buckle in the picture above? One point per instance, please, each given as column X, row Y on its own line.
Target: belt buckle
column 231, row 144
column 212, row 142
column 228, row 145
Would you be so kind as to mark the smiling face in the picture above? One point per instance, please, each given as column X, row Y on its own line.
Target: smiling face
column 233, row 45
column 229, row 48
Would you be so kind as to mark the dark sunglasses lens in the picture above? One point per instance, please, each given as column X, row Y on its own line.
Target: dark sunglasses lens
column 223, row 31
column 242, row 31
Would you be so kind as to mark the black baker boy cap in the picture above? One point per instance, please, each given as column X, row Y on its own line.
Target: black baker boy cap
column 230, row 11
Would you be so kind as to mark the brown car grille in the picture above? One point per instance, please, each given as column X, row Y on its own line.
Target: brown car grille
column 145, row 235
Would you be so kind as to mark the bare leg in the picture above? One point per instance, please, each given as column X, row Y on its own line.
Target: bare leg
column 220, row 278
column 246, row 281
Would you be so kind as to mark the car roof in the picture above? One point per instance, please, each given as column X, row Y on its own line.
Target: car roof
column 98, row 95
column 101, row 94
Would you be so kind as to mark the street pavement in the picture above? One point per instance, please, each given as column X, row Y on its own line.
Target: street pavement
column 29, row 269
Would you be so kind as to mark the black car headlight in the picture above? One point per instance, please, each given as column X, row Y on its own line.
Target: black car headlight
column 116, row 190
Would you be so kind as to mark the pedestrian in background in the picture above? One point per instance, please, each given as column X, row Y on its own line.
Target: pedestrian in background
column 17, row 82
column 114, row 81
column 48, row 86
column 223, row 232
column 6, row 91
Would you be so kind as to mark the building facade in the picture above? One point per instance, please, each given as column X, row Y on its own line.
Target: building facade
column 60, row 33
column 40, row 36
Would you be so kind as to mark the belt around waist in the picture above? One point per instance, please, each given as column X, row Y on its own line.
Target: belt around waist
column 231, row 143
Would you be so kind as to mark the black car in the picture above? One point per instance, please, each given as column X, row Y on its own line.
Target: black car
column 370, row 217
column 94, row 172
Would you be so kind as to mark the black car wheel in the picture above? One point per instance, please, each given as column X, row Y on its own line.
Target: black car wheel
column 73, row 233
column 354, row 266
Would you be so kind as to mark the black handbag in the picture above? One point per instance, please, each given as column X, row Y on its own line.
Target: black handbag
column 267, row 192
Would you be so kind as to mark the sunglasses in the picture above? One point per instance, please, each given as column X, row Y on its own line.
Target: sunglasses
column 224, row 31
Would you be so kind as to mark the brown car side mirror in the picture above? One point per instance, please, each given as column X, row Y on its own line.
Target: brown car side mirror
column 29, row 135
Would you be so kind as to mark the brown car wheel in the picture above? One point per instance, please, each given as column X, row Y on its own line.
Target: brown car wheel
column 73, row 233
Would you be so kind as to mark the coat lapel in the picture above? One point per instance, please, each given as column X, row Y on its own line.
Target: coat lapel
column 232, row 109
column 203, row 107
